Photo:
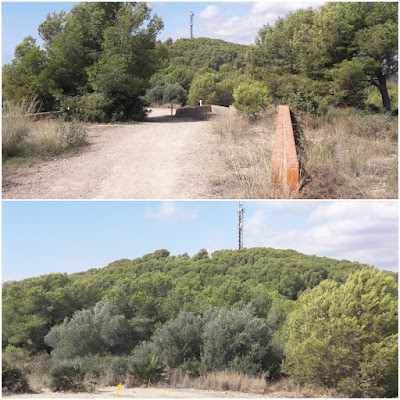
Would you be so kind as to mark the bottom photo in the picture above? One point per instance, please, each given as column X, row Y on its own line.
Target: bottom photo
column 191, row 299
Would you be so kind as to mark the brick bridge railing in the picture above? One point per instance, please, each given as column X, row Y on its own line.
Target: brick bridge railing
column 284, row 163
column 180, row 112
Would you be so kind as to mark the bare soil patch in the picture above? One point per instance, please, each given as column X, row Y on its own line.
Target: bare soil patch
column 162, row 158
column 150, row 392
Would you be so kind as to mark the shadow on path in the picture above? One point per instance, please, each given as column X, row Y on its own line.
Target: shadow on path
column 170, row 119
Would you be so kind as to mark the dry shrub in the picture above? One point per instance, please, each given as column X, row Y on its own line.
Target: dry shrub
column 16, row 125
column 287, row 387
column 22, row 137
column 348, row 154
column 246, row 148
column 219, row 381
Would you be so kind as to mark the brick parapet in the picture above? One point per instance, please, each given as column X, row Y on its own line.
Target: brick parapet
column 284, row 162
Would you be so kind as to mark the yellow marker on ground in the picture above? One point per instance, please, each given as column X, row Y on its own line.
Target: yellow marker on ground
column 119, row 387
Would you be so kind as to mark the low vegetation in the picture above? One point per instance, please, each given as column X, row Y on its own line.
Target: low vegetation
column 239, row 320
column 245, row 146
column 347, row 153
column 13, row 379
column 23, row 137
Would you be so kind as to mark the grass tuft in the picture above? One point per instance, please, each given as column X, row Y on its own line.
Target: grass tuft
column 22, row 137
column 348, row 154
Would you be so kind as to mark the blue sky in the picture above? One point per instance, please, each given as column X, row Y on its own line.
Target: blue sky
column 40, row 237
column 232, row 21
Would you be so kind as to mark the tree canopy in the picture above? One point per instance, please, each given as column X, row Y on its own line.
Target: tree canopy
column 156, row 287
column 335, row 52
column 346, row 335
column 97, row 60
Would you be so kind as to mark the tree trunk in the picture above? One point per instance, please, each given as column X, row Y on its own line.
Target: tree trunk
column 384, row 92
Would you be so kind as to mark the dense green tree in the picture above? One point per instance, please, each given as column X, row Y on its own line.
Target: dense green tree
column 346, row 335
column 154, row 288
column 251, row 98
column 204, row 87
column 27, row 76
column 179, row 74
column 336, row 52
column 100, row 57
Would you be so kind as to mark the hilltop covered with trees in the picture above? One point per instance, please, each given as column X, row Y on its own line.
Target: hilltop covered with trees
column 236, row 311
column 100, row 59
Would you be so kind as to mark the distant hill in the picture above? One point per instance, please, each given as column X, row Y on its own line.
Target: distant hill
column 154, row 288
column 215, row 54
column 188, row 60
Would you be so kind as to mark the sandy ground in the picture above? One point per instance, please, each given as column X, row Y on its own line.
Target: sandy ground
column 162, row 158
column 111, row 392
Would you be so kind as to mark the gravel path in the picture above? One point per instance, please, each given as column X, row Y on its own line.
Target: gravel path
column 162, row 158
column 111, row 392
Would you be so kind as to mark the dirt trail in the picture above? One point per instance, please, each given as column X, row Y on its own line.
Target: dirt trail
column 111, row 392
column 162, row 158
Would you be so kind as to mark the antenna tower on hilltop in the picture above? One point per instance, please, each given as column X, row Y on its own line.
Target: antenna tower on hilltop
column 240, row 225
column 191, row 24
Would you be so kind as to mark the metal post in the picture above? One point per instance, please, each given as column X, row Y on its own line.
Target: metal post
column 240, row 225
column 191, row 24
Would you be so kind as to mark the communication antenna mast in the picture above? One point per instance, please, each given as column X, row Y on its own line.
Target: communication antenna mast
column 240, row 225
column 191, row 24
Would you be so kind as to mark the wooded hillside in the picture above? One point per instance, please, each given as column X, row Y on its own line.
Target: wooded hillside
column 253, row 311
column 155, row 287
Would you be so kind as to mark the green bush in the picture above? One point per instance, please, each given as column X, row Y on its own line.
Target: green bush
column 13, row 379
column 72, row 134
column 91, row 332
column 346, row 336
column 147, row 372
column 304, row 100
column 180, row 339
column 68, row 378
column 203, row 87
column 235, row 339
column 251, row 98
column 174, row 93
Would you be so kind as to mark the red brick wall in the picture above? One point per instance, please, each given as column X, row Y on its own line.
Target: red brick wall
column 284, row 163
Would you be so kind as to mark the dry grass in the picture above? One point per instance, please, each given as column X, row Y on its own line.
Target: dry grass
column 342, row 154
column 245, row 148
column 347, row 154
column 239, row 382
column 218, row 380
column 15, row 125
column 287, row 387
column 22, row 137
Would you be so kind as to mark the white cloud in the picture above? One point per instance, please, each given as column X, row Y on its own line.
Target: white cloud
column 357, row 231
column 170, row 212
column 244, row 29
column 209, row 12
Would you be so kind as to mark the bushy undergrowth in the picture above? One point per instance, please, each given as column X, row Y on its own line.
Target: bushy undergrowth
column 146, row 371
column 13, row 379
column 22, row 137
column 68, row 378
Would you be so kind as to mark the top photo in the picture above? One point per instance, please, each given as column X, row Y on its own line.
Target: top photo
column 200, row 100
